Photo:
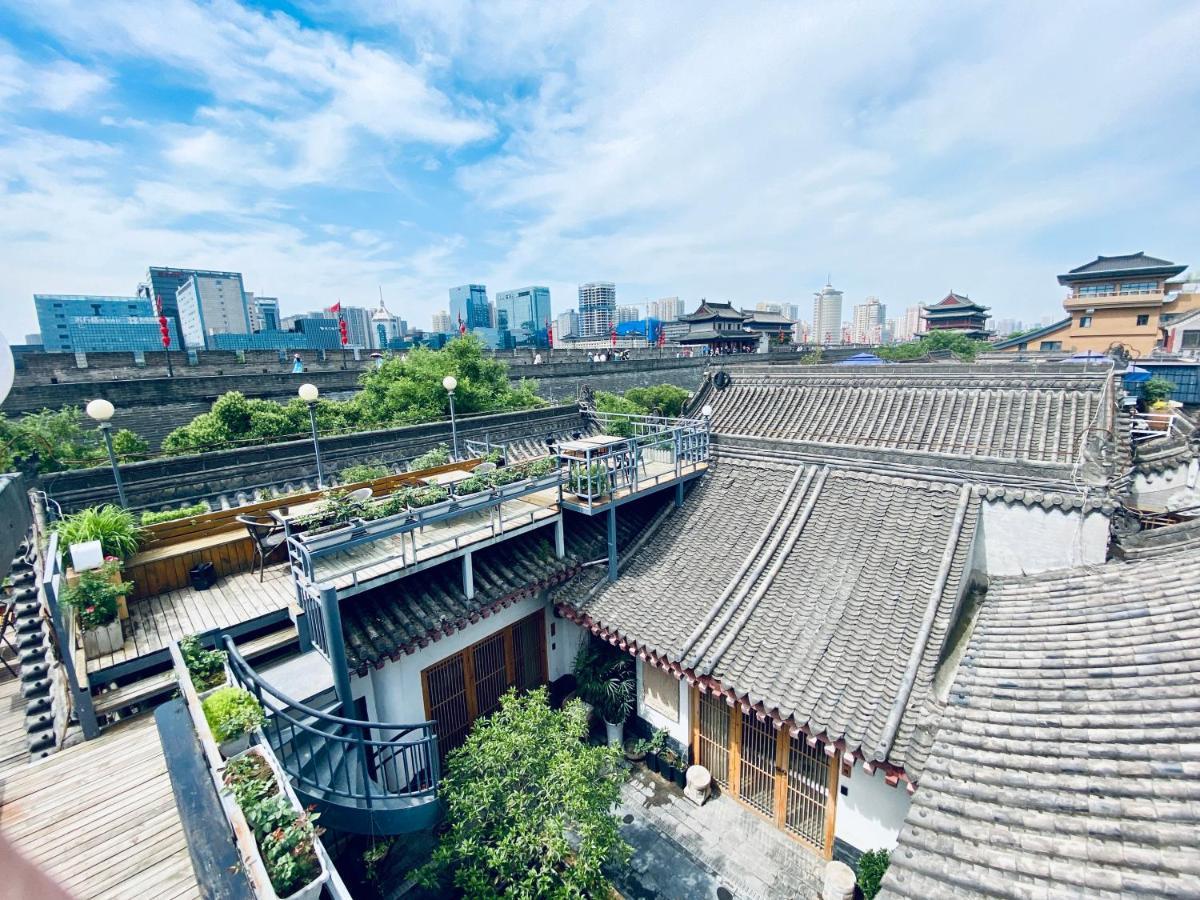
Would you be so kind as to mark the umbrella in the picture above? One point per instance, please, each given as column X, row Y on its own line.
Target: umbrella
column 1136, row 375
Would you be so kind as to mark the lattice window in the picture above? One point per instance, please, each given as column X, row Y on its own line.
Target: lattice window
column 660, row 691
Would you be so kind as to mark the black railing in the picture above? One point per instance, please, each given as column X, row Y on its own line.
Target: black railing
column 347, row 762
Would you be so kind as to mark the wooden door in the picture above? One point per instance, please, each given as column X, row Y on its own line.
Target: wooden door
column 448, row 701
column 759, row 746
column 810, row 773
column 713, row 736
column 491, row 673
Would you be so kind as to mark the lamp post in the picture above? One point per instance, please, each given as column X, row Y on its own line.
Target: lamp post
column 102, row 411
column 450, row 383
column 309, row 393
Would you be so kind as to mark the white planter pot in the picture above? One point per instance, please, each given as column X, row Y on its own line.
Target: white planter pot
column 86, row 555
column 616, row 734
column 256, row 871
column 104, row 640
column 234, row 746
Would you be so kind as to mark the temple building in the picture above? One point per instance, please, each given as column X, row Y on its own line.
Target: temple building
column 957, row 312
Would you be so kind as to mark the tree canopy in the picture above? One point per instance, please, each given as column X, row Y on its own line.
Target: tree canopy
column 955, row 341
column 403, row 390
column 530, row 806
column 54, row 440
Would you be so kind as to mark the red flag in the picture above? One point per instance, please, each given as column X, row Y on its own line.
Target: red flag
column 336, row 308
column 613, row 333
column 662, row 335
column 550, row 333
column 462, row 326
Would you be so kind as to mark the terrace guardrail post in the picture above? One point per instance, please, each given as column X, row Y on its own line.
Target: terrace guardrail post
column 612, row 543
column 81, row 694
column 335, row 649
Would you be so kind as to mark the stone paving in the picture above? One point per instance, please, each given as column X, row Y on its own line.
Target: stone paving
column 720, row 850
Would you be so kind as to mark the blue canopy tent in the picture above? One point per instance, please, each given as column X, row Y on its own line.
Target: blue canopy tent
column 1136, row 375
column 862, row 359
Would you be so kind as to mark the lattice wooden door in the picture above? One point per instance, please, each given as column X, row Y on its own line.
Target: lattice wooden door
column 713, row 736
column 808, row 787
column 491, row 674
column 529, row 653
column 759, row 745
column 447, row 701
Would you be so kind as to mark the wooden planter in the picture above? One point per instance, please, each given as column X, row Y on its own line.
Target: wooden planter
column 256, row 871
column 72, row 578
column 103, row 640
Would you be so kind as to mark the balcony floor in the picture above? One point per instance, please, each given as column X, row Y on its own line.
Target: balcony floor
column 654, row 476
column 235, row 599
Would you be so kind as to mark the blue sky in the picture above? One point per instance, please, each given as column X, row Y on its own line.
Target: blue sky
column 734, row 151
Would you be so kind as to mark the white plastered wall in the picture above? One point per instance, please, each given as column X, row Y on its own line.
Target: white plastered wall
column 1016, row 539
column 679, row 729
column 870, row 813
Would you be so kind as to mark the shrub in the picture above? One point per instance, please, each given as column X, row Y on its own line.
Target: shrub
column 286, row 839
column 589, row 480
column 438, row 456
column 606, row 681
column 232, row 712
column 1157, row 389
column 428, row 496
column 660, row 399
column 363, row 472
column 540, row 467
column 207, row 667
column 53, row 440
column 619, row 425
column 529, row 807
column 170, row 515
column 473, row 485
column 112, row 526
column 94, row 595
column 871, row 867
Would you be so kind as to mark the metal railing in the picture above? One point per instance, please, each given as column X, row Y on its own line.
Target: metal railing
column 363, row 764
column 64, row 624
column 597, row 472
column 1151, row 426
column 306, row 549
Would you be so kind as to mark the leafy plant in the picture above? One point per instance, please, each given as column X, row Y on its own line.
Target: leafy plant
column 337, row 508
column 871, row 868
column 114, row 527
column 374, row 855
column 589, row 480
column 94, row 595
column 232, row 712
column 207, row 667
column 363, row 472
column 54, row 440
column 530, row 807
column 539, row 467
column 620, row 425
column 1157, row 390
column 606, row 681
column 170, row 515
column 286, row 839
column 658, row 740
column 660, row 399
column 427, row 496
column 956, row 342
column 438, row 456
column 473, row 485
column 495, row 455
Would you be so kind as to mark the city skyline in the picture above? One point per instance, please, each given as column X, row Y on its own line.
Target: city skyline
column 408, row 168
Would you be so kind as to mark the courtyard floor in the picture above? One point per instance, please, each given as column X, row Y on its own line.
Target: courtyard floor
column 723, row 850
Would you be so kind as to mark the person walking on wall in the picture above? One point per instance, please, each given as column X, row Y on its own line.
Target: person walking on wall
column 297, row 365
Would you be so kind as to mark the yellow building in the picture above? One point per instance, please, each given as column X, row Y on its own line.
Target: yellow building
column 1114, row 300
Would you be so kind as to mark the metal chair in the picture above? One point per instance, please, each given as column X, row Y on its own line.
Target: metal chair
column 362, row 495
column 268, row 536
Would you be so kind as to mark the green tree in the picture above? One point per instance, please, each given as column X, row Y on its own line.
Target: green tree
column 530, row 806
column 621, row 425
column 660, row 399
column 54, row 440
column 956, row 342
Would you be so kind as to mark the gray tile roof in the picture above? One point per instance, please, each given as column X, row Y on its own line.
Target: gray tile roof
column 1122, row 263
column 978, row 414
column 822, row 596
column 1068, row 760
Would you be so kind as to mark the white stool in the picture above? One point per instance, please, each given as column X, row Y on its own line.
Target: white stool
column 699, row 784
column 838, row 882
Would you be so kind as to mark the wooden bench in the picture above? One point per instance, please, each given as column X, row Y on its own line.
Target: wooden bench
column 169, row 550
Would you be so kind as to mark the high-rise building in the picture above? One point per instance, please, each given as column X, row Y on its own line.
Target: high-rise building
column 441, row 322
column 211, row 303
column 665, row 309
column 910, row 326
column 469, row 306
column 264, row 312
column 867, row 326
column 83, row 323
column 385, row 328
column 597, row 308
column 566, row 325
column 769, row 307
column 525, row 313
column 627, row 314
column 359, row 332
column 827, row 316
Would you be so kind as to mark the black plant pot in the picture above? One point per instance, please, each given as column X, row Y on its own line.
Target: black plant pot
column 652, row 761
column 680, row 775
column 666, row 770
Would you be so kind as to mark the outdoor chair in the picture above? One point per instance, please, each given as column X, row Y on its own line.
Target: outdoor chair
column 362, row 495
column 483, row 468
column 268, row 537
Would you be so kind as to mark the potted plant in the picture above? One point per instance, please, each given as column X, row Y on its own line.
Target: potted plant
column 476, row 484
column 607, row 683
column 589, row 482
column 284, row 862
column 115, row 528
column 94, row 597
column 232, row 713
column 428, row 496
column 672, row 766
column 636, row 750
column 1157, row 392
column 206, row 667
column 657, row 743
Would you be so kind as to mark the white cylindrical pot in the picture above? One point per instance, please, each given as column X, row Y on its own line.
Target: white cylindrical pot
column 616, row 734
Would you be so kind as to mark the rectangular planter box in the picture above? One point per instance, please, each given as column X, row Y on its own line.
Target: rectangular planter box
column 102, row 641
column 256, row 872
column 72, row 578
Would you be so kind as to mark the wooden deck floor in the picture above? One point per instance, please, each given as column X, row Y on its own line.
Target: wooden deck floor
column 14, row 751
column 156, row 621
column 100, row 817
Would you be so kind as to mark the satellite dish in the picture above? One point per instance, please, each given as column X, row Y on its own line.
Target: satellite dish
column 8, row 368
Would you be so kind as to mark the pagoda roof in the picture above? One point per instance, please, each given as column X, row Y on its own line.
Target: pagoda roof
column 955, row 303
column 711, row 309
column 711, row 335
column 761, row 317
column 1127, row 264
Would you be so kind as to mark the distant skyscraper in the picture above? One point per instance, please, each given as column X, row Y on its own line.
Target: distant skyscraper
column 525, row 313
column 769, row 307
column 911, row 325
column 597, row 308
column 211, row 303
column 867, row 327
column 627, row 314
column 441, row 322
column 566, row 325
column 827, row 316
column 359, row 332
column 385, row 328
column 666, row 309
column 92, row 324
column 264, row 312
column 469, row 306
